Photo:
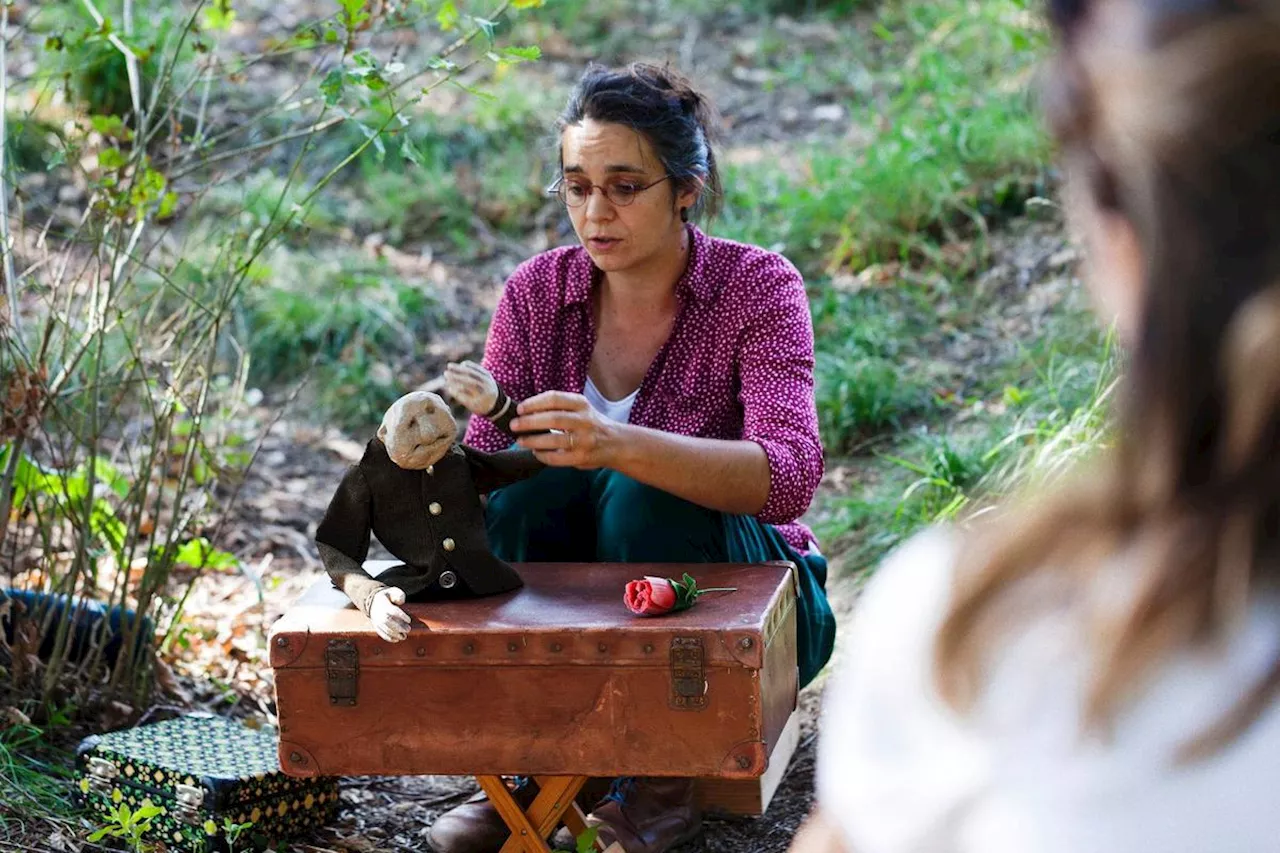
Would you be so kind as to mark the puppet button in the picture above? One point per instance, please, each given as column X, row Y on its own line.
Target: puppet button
column 448, row 544
column 434, row 508
column 448, row 579
column 431, row 469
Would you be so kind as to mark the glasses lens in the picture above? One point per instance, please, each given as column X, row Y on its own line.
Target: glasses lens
column 622, row 194
column 574, row 194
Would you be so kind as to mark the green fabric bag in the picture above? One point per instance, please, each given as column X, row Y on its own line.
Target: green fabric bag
column 201, row 771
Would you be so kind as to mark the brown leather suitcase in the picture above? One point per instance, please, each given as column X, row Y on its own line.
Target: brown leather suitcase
column 556, row 678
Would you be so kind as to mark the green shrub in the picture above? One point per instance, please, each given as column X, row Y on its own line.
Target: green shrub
column 954, row 139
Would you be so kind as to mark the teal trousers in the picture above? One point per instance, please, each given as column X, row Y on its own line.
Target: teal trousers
column 567, row 515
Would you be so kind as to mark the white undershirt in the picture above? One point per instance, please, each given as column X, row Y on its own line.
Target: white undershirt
column 615, row 410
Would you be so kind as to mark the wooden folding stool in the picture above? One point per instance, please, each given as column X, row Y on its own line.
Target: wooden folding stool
column 553, row 805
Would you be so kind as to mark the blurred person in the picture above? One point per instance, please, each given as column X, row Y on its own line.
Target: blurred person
column 672, row 375
column 1094, row 668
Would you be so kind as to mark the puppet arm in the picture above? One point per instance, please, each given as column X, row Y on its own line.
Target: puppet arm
column 343, row 540
column 492, row 471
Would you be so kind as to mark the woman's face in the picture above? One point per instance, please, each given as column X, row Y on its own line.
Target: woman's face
column 1113, row 267
column 596, row 155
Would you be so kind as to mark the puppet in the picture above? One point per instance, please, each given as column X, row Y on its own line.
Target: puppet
column 418, row 490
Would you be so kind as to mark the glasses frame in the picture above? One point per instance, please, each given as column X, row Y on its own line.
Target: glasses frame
column 557, row 190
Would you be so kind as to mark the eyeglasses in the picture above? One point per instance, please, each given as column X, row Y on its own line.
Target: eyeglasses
column 619, row 193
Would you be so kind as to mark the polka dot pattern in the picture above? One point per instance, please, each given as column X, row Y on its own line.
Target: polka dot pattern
column 738, row 364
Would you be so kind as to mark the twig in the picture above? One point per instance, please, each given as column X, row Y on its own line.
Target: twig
column 6, row 238
column 258, row 146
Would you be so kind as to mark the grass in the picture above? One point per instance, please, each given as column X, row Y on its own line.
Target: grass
column 864, row 342
column 948, row 137
column 34, row 785
column 351, row 318
column 1051, row 413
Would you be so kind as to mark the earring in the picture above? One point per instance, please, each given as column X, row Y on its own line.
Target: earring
column 684, row 214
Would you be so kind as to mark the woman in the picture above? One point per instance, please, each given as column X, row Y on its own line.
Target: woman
column 670, row 375
column 1097, row 670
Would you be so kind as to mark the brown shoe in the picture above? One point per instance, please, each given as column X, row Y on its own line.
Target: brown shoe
column 649, row 815
column 475, row 826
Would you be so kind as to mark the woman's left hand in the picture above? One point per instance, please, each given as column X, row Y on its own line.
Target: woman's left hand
column 582, row 438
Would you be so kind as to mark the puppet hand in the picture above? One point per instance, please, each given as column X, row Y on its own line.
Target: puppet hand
column 472, row 386
column 391, row 623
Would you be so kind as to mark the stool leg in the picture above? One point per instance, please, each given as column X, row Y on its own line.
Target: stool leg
column 555, row 796
column 573, row 818
column 523, row 833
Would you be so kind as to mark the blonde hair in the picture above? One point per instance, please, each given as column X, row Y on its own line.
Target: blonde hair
column 1167, row 113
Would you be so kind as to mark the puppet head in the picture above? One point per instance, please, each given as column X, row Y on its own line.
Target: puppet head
column 418, row 430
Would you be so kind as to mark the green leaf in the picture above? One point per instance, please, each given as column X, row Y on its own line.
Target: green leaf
column 167, row 205
column 409, row 152
column 531, row 53
column 111, row 126
column 331, row 86
column 447, row 16
column 54, row 43
column 198, row 553
column 218, row 16
column 351, row 7
column 112, row 158
column 305, row 40
column 107, row 474
column 487, row 27
column 587, row 840
column 148, row 188
column 375, row 137
column 528, row 4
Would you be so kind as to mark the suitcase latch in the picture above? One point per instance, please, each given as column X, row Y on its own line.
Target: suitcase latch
column 102, row 775
column 342, row 667
column 190, row 799
column 688, row 674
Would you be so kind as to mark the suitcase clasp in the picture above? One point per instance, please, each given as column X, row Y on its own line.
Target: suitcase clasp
column 102, row 775
column 688, row 674
column 190, row 799
column 342, row 667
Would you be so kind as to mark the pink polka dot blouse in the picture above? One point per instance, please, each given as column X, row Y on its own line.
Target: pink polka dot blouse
column 738, row 363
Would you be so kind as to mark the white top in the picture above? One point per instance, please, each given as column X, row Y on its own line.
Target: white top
column 900, row 772
column 617, row 410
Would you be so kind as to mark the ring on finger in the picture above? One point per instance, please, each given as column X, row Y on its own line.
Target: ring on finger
column 571, row 441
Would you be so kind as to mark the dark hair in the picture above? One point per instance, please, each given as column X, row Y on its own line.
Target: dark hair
column 661, row 104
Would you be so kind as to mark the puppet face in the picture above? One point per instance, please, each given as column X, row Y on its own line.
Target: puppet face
column 417, row 430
